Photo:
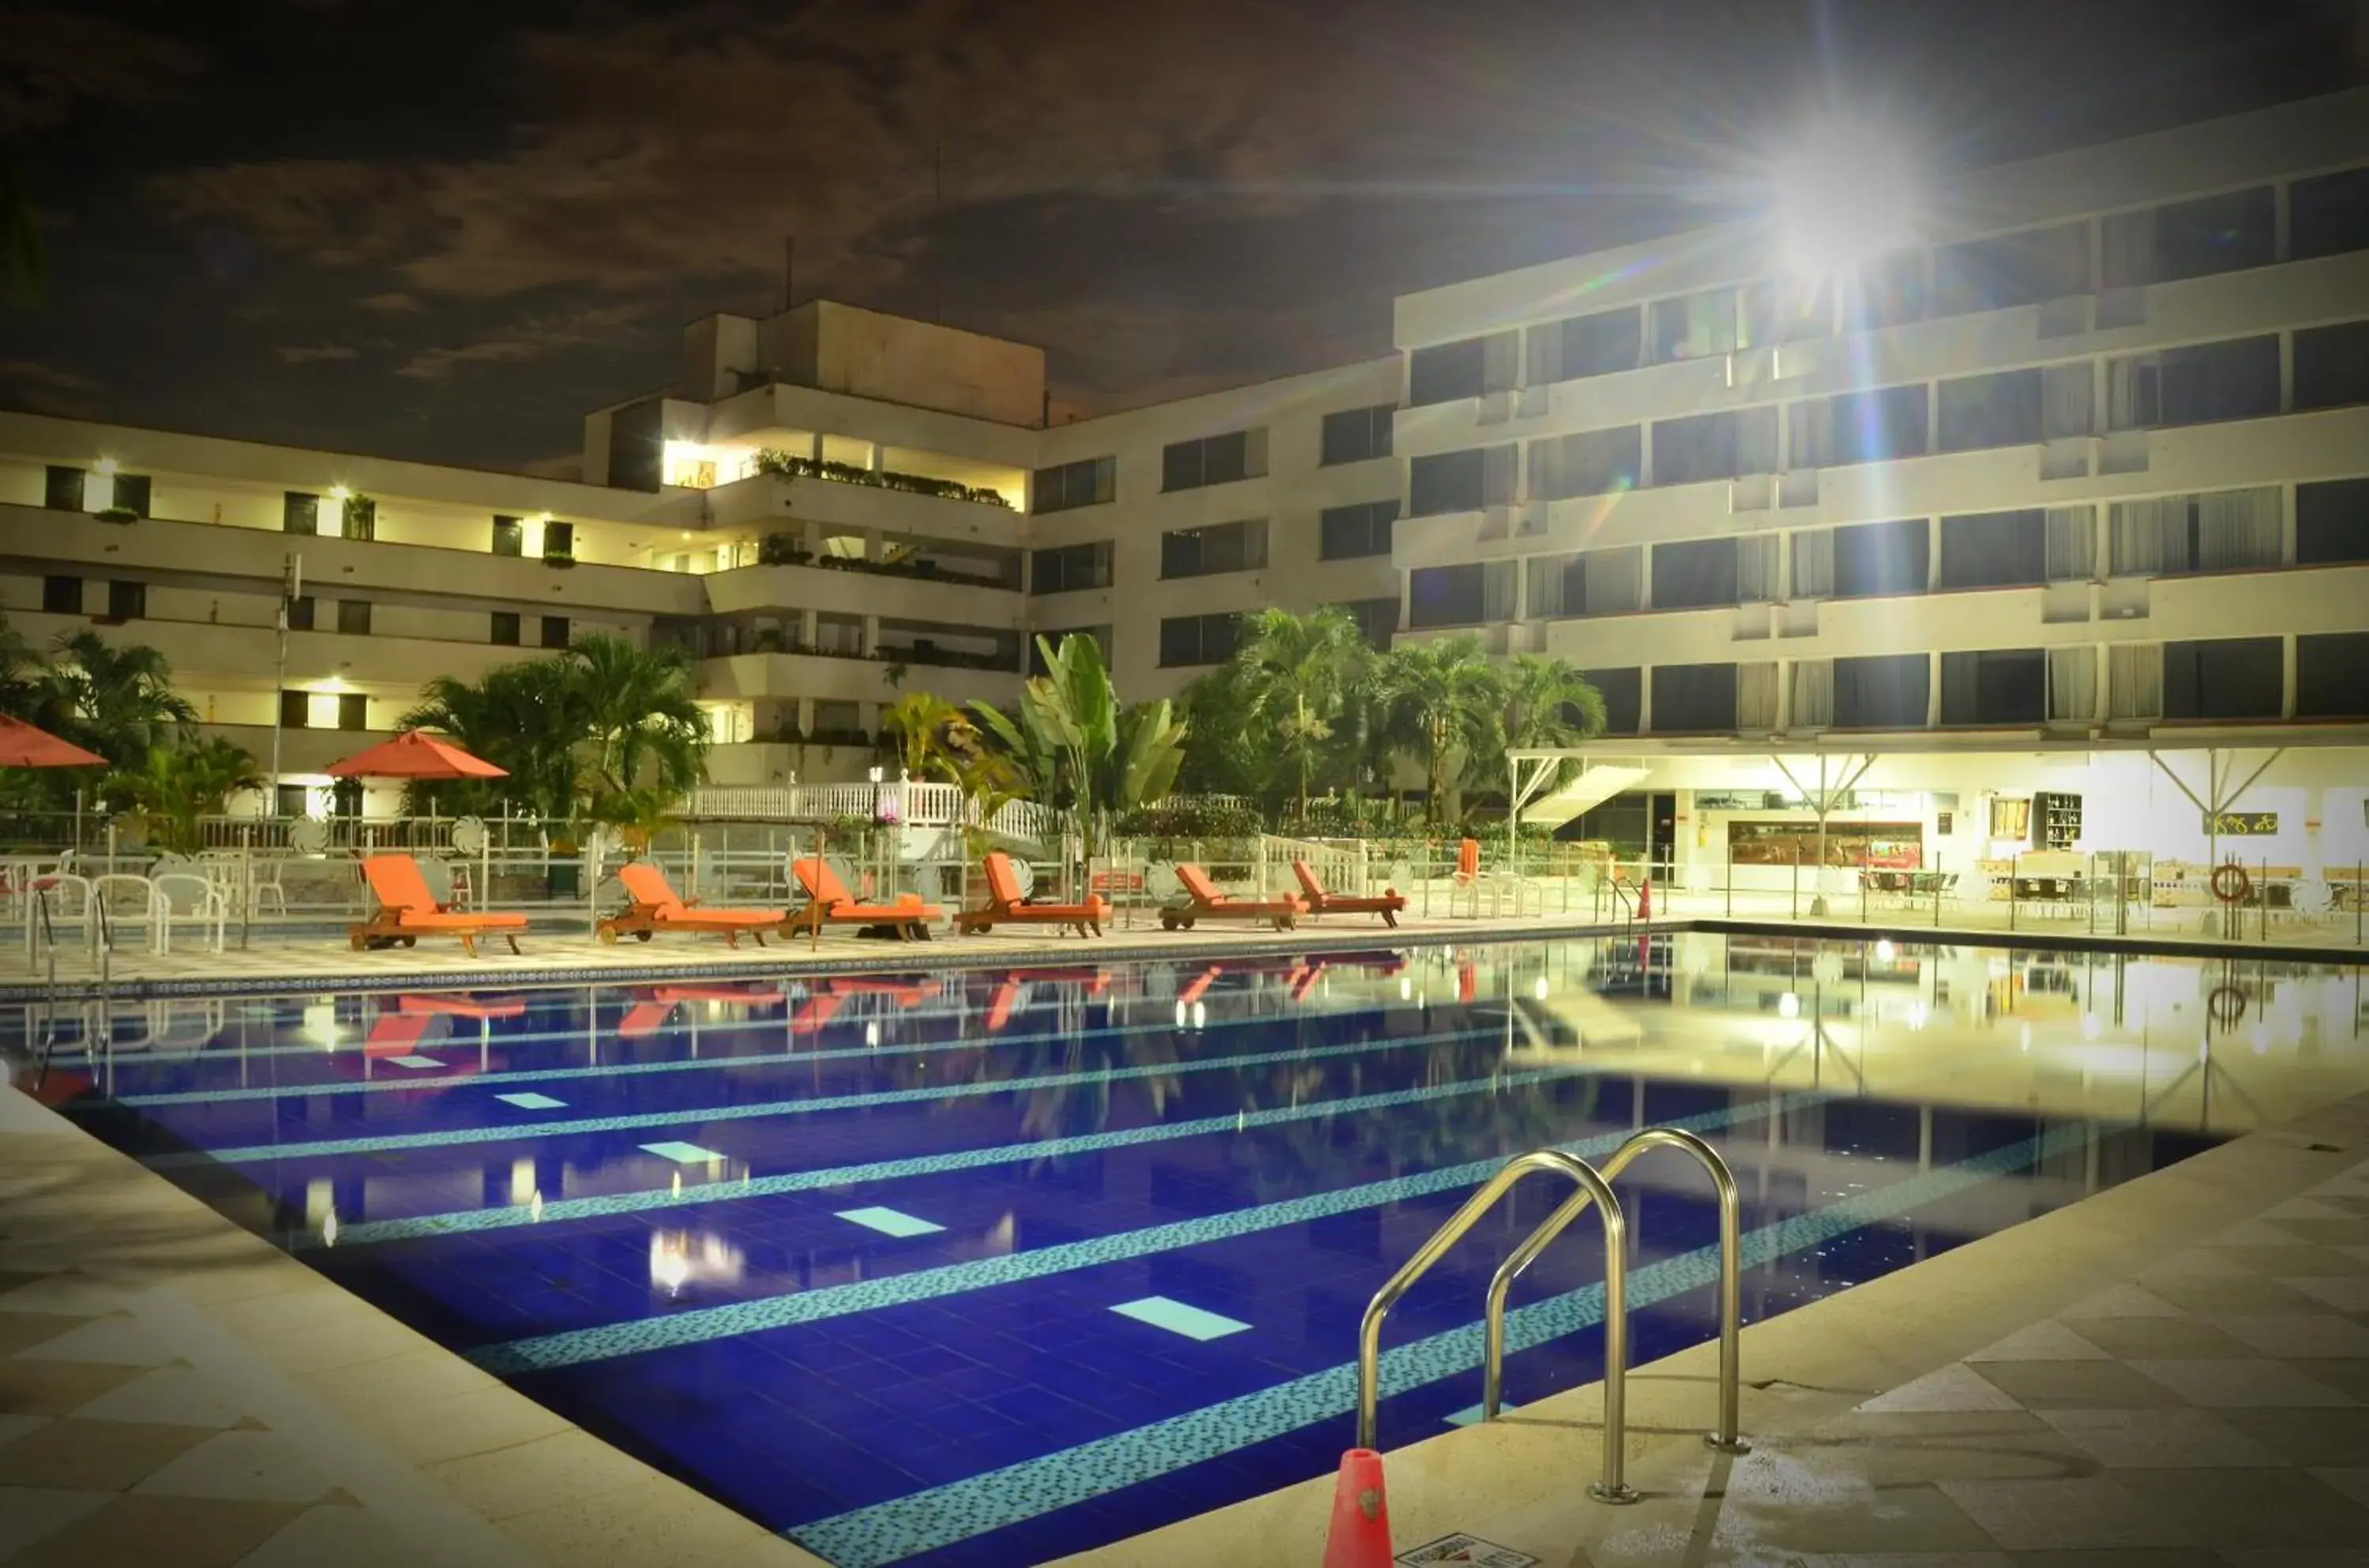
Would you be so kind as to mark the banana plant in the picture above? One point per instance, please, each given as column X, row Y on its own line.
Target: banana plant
column 1082, row 749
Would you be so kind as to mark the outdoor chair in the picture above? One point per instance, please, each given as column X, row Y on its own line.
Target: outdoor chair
column 1204, row 901
column 1004, row 906
column 829, row 903
column 1387, row 903
column 406, row 912
column 656, row 908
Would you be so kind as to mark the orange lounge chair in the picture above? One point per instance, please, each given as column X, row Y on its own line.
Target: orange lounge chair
column 1387, row 903
column 655, row 908
column 408, row 911
column 1208, row 903
column 829, row 903
column 1003, row 906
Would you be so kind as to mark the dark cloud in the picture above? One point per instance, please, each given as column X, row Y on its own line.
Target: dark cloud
column 44, row 389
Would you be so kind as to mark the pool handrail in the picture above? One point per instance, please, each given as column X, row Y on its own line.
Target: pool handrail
column 1725, row 1438
column 1611, row 1488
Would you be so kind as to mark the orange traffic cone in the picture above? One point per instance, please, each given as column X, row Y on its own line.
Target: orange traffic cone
column 1360, row 1536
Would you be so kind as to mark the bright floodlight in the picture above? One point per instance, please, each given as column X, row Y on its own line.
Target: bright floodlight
column 1845, row 195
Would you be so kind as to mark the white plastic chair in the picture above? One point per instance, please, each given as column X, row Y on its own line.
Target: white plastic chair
column 187, row 896
column 120, row 897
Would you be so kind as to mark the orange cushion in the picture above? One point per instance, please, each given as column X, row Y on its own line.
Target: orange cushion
column 719, row 918
column 429, row 920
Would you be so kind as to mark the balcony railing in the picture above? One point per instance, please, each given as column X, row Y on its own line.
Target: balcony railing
column 787, row 465
column 780, row 550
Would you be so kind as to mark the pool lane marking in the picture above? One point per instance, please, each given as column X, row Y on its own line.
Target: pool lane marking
column 1181, row 1318
column 571, row 1348
column 885, row 1533
column 365, row 1232
column 509, row 1132
column 679, row 1064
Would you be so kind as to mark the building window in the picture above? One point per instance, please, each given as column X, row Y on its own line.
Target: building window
column 1691, row 574
column 554, row 631
column 359, row 518
column 1787, row 310
column 1037, row 662
column 2237, row 379
column 1979, row 411
column 504, row 628
column 1213, row 460
column 1461, row 481
column 1066, row 568
column 2331, row 522
column 299, row 613
column 1882, row 692
column 1592, row 583
column 1198, row 639
column 1472, row 368
column 2003, row 549
column 2225, row 678
column 1377, row 620
column 509, row 536
column 559, row 541
column 1866, row 560
column 1995, row 686
column 130, row 494
column 62, row 596
column 2327, row 675
column 1348, row 533
column 1466, row 595
column 1623, row 692
column 1582, row 345
column 1889, row 292
column 1695, row 326
column 2218, row 530
column 127, row 600
column 2011, row 270
column 1355, row 435
column 2191, row 239
column 1592, row 462
column 295, row 710
column 353, row 710
column 300, row 513
column 1088, row 482
column 2329, row 214
column 1875, row 426
column 1694, row 699
column 62, row 489
column 1221, row 547
column 2331, row 366
column 354, row 617
column 1715, row 446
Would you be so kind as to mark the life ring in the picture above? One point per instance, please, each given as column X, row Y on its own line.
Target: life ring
column 2229, row 1011
column 2230, row 883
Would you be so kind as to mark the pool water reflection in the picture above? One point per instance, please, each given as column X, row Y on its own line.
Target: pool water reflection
column 990, row 1266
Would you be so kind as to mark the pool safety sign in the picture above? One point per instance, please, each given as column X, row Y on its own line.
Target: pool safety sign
column 1464, row 1549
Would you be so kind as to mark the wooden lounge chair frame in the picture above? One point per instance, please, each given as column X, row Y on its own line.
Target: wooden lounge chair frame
column 1387, row 903
column 656, row 908
column 829, row 903
column 1209, row 903
column 407, row 911
column 1004, row 906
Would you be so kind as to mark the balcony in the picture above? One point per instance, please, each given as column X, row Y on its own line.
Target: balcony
column 301, row 750
column 854, row 678
column 925, row 590
column 769, row 498
column 243, row 657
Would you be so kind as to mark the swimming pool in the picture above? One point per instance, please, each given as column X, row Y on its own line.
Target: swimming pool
column 978, row 1266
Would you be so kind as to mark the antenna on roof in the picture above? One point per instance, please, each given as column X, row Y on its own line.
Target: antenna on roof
column 938, row 222
column 789, row 270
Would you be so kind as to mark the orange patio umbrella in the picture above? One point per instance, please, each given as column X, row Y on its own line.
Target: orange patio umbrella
column 23, row 746
column 414, row 755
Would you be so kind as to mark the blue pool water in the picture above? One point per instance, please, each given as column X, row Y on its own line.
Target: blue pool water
column 978, row 1267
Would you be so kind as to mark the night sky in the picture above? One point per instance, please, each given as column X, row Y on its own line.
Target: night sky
column 441, row 230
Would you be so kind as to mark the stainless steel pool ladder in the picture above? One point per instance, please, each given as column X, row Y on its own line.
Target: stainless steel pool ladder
column 1594, row 1188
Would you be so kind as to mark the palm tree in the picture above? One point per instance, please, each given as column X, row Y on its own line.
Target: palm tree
column 1079, row 747
column 1230, row 750
column 520, row 717
column 920, row 722
column 118, row 700
column 21, row 673
column 637, row 714
column 1298, row 669
column 180, row 785
column 1447, row 704
column 1550, row 704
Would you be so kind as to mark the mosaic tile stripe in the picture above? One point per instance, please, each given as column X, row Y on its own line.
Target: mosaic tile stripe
column 451, row 1136
column 890, row 1532
column 460, row 1221
column 575, row 1346
column 634, row 1069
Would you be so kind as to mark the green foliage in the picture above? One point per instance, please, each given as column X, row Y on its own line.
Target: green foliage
column 177, row 786
column 1191, row 817
column 790, row 466
column 1549, row 704
column 926, row 730
column 641, row 813
column 1079, row 748
column 116, row 699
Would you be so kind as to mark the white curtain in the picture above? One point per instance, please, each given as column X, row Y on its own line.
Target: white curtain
column 2148, row 536
column 2238, row 527
column 1498, row 582
column 2133, row 387
column 1813, row 562
column 1814, row 694
column 2134, row 680
column 2129, row 248
column 1614, row 578
column 2072, row 543
column 1756, row 568
column 1547, row 582
column 1756, row 695
column 2072, row 684
column 2065, row 400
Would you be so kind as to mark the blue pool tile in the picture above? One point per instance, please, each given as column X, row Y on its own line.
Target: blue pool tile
column 888, row 1221
column 531, row 1101
column 681, row 1153
column 1178, row 1318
